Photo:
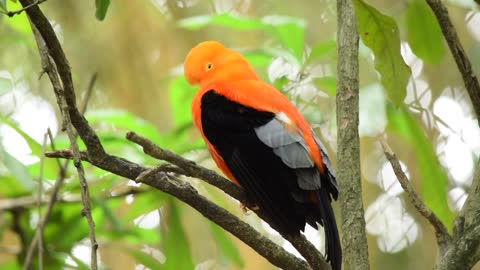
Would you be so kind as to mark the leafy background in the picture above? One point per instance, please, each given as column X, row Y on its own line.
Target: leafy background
column 410, row 90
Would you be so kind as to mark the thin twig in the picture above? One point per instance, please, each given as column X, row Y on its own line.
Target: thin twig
column 443, row 237
column 39, row 204
column 463, row 63
column 88, row 94
column 31, row 201
column 16, row 12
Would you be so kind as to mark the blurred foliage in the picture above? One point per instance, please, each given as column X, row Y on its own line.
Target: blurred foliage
column 137, row 48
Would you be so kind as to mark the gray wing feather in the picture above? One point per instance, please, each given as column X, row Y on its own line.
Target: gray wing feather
column 288, row 146
column 291, row 148
column 273, row 134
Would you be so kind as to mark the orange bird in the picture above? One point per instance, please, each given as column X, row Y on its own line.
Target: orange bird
column 262, row 143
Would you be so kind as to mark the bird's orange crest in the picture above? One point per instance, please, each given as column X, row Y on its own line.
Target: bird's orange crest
column 211, row 61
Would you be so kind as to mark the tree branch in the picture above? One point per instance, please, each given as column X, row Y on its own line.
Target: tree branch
column 191, row 169
column 462, row 253
column 354, row 239
column 67, row 124
column 443, row 237
column 463, row 63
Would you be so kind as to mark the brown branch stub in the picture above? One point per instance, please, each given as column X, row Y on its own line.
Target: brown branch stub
column 443, row 237
column 463, row 63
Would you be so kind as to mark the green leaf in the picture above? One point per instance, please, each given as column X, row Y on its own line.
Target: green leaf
column 3, row 5
column 124, row 120
column 423, row 32
column 147, row 260
column 326, row 84
column 181, row 94
column 289, row 31
column 321, row 49
column 144, row 203
column 68, row 222
column 176, row 242
column 5, row 85
column 50, row 165
column 226, row 246
column 18, row 170
column 433, row 178
column 11, row 264
column 380, row 33
column 18, row 22
column 101, row 9
column 11, row 187
column 225, row 20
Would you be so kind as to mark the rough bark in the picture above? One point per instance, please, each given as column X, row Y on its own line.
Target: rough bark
column 354, row 240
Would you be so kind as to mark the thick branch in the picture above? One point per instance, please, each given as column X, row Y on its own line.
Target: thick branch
column 463, row 253
column 463, row 63
column 191, row 169
column 67, row 124
column 354, row 240
column 443, row 237
column 470, row 213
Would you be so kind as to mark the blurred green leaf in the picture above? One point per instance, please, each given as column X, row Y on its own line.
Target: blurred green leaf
column 101, row 8
column 288, row 30
column 11, row 187
column 433, row 177
column 326, row 84
column 226, row 246
column 258, row 58
column 423, row 32
column 380, row 33
column 105, row 206
column 50, row 165
column 5, row 85
column 18, row 170
column 181, row 94
column 68, row 222
column 147, row 259
column 119, row 119
column 11, row 264
column 144, row 203
column 18, row 22
column 226, row 20
column 3, row 5
column 321, row 49
column 175, row 241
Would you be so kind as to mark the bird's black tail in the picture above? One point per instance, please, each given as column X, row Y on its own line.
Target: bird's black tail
column 333, row 248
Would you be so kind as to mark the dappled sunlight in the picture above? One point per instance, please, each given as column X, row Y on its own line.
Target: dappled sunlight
column 394, row 228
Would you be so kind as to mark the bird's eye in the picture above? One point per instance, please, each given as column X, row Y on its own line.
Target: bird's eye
column 209, row 66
